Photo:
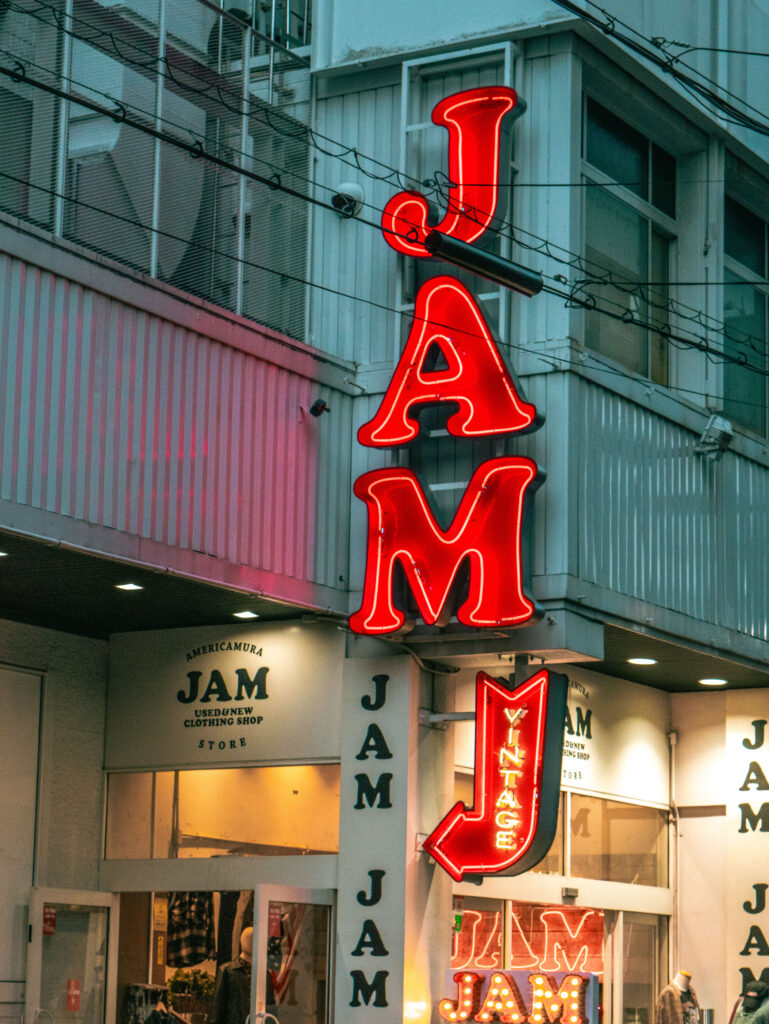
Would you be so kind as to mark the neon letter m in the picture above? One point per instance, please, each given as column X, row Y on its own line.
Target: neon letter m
column 486, row 531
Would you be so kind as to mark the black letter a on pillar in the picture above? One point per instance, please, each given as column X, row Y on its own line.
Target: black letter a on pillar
column 370, row 939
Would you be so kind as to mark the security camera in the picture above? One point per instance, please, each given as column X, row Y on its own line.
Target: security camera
column 348, row 199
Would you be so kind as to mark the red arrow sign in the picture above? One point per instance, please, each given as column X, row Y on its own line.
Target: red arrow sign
column 518, row 743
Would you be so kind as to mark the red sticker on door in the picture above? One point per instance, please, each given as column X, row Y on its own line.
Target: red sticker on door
column 73, row 994
column 49, row 919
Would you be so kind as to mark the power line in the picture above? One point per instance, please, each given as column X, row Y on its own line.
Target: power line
column 669, row 65
column 106, row 40
column 196, row 149
column 556, row 362
column 120, row 114
column 595, row 274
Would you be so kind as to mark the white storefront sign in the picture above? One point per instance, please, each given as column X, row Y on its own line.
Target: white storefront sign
column 223, row 695
column 615, row 741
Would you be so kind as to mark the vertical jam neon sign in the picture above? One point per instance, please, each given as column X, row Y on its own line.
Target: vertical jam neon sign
column 518, row 742
column 488, row 528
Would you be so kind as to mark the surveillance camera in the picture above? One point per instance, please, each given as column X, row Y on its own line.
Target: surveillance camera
column 348, row 199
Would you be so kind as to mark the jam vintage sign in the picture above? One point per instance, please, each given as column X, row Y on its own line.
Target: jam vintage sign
column 518, row 742
column 486, row 533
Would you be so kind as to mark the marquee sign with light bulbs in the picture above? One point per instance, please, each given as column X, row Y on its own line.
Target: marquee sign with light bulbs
column 486, row 996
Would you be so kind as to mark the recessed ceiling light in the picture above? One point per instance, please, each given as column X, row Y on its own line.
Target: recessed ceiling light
column 245, row 615
column 642, row 661
column 712, row 682
column 128, row 586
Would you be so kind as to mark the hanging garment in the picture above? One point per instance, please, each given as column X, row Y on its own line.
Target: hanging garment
column 190, row 928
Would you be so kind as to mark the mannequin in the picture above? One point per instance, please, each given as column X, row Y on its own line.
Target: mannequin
column 232, row 996
column 753, row 1006
column 677, row 1002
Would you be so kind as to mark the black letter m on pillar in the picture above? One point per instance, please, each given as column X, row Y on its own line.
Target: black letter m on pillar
column 361, row 987
column 371, row 793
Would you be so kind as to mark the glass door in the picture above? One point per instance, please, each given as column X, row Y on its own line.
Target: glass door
column 71, row 962
column 293, row 954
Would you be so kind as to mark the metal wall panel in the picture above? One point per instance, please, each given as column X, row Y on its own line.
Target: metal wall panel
column 117, row 417
column 662, row 524
column 353, row 319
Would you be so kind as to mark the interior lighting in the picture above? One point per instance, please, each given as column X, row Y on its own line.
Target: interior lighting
column 245, row 615
column 3, row 554
column 642, row 661
column 128, row 586
column 712, row 682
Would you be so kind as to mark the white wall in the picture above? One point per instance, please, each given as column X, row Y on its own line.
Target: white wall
column 69, row 804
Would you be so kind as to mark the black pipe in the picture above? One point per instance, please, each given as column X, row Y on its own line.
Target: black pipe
column 486, row 264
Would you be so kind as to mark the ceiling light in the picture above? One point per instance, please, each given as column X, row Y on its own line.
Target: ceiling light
column 3, row 554
column 712, row 682
column 642, row 661
column 128, row 586
column 245, row 615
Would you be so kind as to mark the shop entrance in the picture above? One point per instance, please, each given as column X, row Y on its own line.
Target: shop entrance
column 225, row 956
column 72, row 955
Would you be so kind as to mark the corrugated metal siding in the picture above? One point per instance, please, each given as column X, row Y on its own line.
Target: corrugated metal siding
column 659, row 523
column 349, row 256
column 119, row 418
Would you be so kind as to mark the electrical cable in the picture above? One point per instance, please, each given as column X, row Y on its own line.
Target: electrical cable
column 596, row 274
column 669, row 65
column 557, row 362
column 119, row 113
column 197, row 150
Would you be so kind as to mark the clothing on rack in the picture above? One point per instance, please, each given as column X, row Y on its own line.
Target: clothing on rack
column 190, row 929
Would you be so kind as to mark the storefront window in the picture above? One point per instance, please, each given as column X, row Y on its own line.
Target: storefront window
column 273, row 811
column 195, row 951
column 618, row 842
column 640, row 974
column 477, row 934
column 552, row 863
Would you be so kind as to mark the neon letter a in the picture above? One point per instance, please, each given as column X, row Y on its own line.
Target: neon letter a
column 476, row 377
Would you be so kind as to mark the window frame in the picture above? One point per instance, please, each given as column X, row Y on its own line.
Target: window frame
column 759, row 284
column 657, row 221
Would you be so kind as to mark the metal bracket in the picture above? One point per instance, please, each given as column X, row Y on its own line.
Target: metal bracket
column 442, row 719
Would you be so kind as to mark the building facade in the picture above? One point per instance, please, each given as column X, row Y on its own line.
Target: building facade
column 200, row 312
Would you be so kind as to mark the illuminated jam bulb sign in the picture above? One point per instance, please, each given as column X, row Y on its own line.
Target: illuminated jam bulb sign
column 518, row 742
column 486, row 536
column 486, row 996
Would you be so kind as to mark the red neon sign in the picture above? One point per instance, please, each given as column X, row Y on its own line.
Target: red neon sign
column 518, row 737
column 473, row 119
column 402, row 530
column 475, row 378
column 541, row 937
column 486, row 532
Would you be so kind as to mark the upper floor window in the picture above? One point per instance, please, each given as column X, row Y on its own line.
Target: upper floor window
column 745, row 316
column 629, row 216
